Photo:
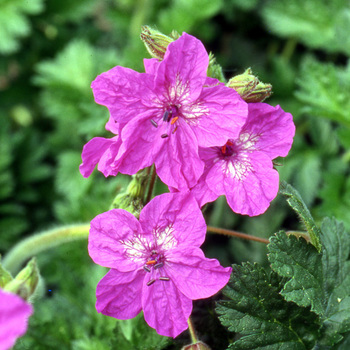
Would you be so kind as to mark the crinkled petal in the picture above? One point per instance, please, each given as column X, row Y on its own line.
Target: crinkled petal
column 185, row 63
column 203, row 193
column 124, row 92
column 178, row 164
column 94, row 150
column 119, row 294
column 196, row 276
column 178, row 214
column 111, row 239
column 165, row 308
column 226, row 116
column 271, row 127
column 151, row 65
column 249, row 182
column 139, row 147
column 14, row 314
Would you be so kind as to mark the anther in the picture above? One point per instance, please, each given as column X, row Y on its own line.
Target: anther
column 151, row 262
column 154, row 123
column 173, row 121
column 165, row 116
column 164, row 278
column 223, row 149
column 147, row 269
column 174, row 129
column 150, row 282
column 164, row 136
column 158, row 266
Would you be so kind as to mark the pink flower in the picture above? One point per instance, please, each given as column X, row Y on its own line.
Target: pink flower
column 242, row 169
column 14, row 314
column 164, row 115
column 156, row 263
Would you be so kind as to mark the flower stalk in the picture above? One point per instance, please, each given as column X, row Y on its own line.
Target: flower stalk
column 43, row 241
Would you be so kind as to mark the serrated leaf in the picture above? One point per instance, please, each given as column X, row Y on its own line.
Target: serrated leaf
column 14, row 23
column 300, row 262
column 316, row 23
column 257, row 310
column 336, row 271
column 296, row 202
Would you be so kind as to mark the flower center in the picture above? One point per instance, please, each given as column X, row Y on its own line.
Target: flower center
column 228, row 149
column 153, row 265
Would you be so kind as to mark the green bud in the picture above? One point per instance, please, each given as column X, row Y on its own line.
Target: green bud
column 156, row 42
column 214, row 69
column 196, row 346
column 5, row 276
column 26, row 282
column 250, row 88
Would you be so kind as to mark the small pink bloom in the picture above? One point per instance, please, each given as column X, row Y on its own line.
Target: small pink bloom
column 156, row 263
column 242, row 169
column 165, row 114
column 14, row 314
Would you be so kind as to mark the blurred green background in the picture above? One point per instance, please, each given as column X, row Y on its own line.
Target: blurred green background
column 50, row 51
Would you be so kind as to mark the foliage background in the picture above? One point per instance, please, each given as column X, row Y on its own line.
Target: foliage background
column 52, row 50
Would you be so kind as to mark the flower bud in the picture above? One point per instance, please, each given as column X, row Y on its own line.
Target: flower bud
column 196, row 346
column 214, row 69
column 156, row 42
column 250, row 88
column 26, row 282
column 5, row 277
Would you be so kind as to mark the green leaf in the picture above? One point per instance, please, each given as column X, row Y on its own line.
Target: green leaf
column 296, row 202
column 300, row 262
column 14, row 23
column 137, row 334
column 325, row 89
column 316, row 23
column 336, row 272
column 257, row 310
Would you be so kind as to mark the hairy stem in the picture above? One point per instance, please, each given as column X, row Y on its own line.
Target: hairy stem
column 226, row 232
column 151, row 184
column 40, row 242
column 192, row 331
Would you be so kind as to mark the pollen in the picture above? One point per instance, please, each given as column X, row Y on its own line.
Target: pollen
column 151, row 262
column 173, row 121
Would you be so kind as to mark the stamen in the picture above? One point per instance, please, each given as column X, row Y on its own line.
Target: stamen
column 150, row 282
column 164, row 136
column 174, row 129
column 164, row 278
column 147, row 269
column 154, row 123
column 229, row 143
column 158, row 266
column 173, row 121
column 151, row 262
column 165, row 116
column 223, row 149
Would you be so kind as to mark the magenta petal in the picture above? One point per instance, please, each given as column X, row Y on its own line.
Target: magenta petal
column 93, row 151
column 165, row 308
column 227, row 114
column 202, row 192
column 119, row 294
column 178, row 214
column 249, row 183
column 195, row 275
column 14, row 314
column 151, row 65
column 110, row 241
column 271, row 127
column 185, row 60
column 124, row 92
column 178, row 164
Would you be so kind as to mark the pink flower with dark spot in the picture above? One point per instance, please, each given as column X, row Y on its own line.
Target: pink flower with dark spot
column 156, row 263
column 164, row 115
column 242, row 168
column 14, row 314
